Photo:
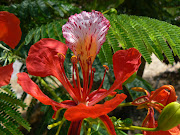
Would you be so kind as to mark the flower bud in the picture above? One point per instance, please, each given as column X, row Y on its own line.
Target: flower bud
column 169, row 117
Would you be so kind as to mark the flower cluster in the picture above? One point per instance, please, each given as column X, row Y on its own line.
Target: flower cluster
column 158, row 99
column 84, row 33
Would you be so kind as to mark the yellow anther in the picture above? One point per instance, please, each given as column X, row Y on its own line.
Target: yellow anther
column 60, row 55
column 140, row 89
column 74, row 59
column 106, row 67
column 94, row 70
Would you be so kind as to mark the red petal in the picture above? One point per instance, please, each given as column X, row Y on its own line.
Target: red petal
column 31, row 88
column 42, row 58
column 5, row 74
column 10, row 30
column 108, row 124
column 125, row 63
column 162, row 96
column 75, row 128
column 149, row 121
column 82, row 111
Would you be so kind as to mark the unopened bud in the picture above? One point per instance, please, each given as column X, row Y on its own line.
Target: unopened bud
column 169, row 117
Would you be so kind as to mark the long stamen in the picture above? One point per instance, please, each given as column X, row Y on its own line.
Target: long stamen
column 93, row 70
column 85, row 69
column 106, row 69
column 62, row 57
column 74, row 60
column 73, row 70
column 140, row 89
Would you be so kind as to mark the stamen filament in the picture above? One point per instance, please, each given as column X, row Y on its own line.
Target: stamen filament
column 106, row 68
column 93, row 70
column 78, row 80
column 74, row 60
column 74, row 82
column 63, row 79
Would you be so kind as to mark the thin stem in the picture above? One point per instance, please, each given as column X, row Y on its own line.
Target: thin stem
column 60, row 125
column 125, row 104
column 19, row 48
column 3, row 47
column 106, row 11
column 49, row 89
column 137, row 128
column 53, row 80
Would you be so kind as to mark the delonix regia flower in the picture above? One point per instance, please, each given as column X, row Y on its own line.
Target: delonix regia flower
column 10, row 34
column 84, row 34
column 158, row 99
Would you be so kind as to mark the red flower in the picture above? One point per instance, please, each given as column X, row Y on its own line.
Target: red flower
column 158, row 99
column 10, row 34
column 84, row 33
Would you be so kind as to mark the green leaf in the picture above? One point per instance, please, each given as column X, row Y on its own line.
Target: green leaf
column 29, row 36
column 37, row 35
column 143, row 33
column 51, row 32
column 44, row 32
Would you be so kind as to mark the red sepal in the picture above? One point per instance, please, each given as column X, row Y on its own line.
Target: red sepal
column 125, row 63
column 82, row 111
column 5, row 74
column 108, row 124
column 149, row 121
column 75, row 128
column 10, row 30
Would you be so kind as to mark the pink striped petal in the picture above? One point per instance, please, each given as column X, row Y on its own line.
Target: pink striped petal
column 85, row 33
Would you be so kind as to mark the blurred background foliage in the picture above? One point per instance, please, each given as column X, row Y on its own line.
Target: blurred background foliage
column 44, row 19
